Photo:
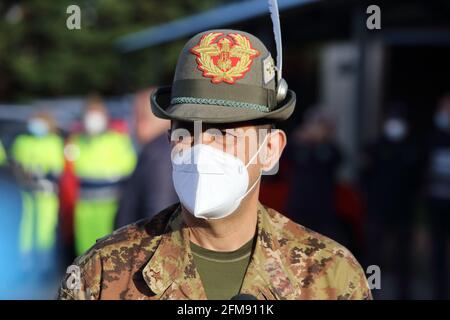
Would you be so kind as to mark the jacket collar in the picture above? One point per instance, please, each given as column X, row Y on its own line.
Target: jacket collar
column 171, row 272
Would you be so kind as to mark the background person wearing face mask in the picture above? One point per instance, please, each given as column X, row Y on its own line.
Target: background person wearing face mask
column 101, row 160
column 438, row 198
column 38, row 159
column 391, row 179
column 315, row 157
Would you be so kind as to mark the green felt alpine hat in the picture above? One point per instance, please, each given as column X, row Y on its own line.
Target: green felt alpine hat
column 224, row 76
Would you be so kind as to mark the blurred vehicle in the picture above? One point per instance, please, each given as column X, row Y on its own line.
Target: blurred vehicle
column 11, row 274
column 9, row 130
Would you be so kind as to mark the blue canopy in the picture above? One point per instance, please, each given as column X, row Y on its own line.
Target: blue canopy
column 214, row 18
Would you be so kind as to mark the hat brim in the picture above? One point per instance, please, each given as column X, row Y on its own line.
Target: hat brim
column 160, row 104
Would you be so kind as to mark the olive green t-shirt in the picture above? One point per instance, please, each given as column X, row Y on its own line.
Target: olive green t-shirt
column 222, row 273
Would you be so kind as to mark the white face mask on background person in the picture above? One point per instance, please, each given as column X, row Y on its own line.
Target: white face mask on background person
column 395, row 129
column 95, row 122
column 442, row 120
column 38, row 127
column 214, row 185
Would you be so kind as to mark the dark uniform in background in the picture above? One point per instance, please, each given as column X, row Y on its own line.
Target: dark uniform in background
column 315, row 158
column 150, row 188
column 438, row 199
column 391, row 176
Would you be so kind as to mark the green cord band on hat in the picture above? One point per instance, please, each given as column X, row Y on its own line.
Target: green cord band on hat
column 219, row 102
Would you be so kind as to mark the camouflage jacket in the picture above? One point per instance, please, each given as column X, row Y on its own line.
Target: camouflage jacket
column 151, row 259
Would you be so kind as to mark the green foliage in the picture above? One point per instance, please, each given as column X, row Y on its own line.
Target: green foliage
column 39, row 56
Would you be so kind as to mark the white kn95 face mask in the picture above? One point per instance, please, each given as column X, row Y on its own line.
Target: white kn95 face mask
column 209, row 182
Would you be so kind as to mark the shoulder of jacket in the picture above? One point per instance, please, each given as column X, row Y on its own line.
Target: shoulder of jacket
column 297, row 241
column 316, row 261
column 22, row 137
column 131, row 239
column 135, row 236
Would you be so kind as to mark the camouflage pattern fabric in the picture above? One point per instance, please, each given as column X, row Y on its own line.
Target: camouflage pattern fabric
column 151, row 259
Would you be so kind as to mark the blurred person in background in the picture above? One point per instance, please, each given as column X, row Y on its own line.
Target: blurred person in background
column 391, row 177
column 150, row 188
column 102, row 158
column 38, row 159
column 315, row 158
column 438, row 198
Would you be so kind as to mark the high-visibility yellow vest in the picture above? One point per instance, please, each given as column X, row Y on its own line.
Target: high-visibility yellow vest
column 106, row 156
column 39, row 154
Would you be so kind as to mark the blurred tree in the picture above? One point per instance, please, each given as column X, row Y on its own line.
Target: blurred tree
column 39, row 56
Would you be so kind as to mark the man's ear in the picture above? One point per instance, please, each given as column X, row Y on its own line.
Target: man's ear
column 275, row 144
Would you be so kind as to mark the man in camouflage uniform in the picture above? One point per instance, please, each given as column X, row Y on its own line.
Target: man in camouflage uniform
column 227, row 80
